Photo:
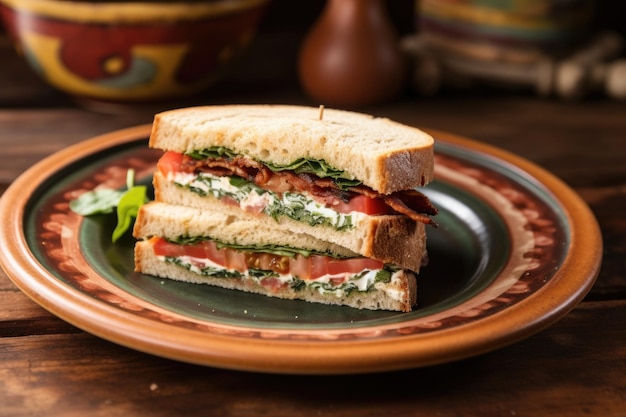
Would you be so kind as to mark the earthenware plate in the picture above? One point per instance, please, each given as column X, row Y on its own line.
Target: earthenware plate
column 515, row 250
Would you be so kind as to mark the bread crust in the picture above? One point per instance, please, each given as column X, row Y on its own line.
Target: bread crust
column 385, row 155
column 394, row 239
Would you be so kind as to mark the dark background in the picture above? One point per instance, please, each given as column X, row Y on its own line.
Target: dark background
column 297, row 16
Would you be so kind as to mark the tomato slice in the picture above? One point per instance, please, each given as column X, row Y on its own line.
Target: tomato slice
column 235, row 260
column 162, row 247
column 360, row 203
column 268, row 262
column 213, row 253
column 304, row 267
column 369, row 205
column 170, row 161
column 352, row 265
column 311, row 267
column 319, row 266
column 316, row 266
column 203, row 250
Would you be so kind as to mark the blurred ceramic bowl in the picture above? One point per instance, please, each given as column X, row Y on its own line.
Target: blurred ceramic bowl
column 131, row 51
column 492, row 30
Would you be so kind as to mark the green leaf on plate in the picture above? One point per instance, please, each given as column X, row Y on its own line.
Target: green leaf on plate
column 105, row 200
column 99, row 201
column 127, row 209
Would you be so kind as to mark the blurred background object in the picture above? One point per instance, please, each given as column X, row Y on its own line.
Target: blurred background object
column 268, row 64
column 514, row 30
column 128, row 52
column 351, row 55
column 549, row 46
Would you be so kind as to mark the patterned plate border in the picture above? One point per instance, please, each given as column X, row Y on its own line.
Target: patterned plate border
column 540, row 237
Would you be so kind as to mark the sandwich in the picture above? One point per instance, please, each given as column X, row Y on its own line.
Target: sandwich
column 210, row 247
column 343, row 177
column 348, row 181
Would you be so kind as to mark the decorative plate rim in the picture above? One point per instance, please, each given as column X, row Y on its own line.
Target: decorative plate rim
column 325, row 355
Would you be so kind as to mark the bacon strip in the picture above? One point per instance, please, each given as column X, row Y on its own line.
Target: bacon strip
column 410, row 203
column 417, row 207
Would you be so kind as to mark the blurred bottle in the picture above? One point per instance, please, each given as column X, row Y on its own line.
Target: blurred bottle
column 351, row 56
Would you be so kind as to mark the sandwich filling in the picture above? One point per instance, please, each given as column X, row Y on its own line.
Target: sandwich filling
column 277, row 268
column 308, row 191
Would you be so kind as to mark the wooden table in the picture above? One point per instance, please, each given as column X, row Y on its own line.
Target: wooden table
column 576, row 367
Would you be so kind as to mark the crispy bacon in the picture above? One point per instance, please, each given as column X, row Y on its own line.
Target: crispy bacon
column 410, row 203
column 413, row 204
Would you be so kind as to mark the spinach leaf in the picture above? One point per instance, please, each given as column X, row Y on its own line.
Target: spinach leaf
column 127, row 209
column 272, row 249
column 105, row 200
column 301, row 166
column 101, row 201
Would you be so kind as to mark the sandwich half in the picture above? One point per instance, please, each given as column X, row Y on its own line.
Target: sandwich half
column 341, row 177
column 211, row 247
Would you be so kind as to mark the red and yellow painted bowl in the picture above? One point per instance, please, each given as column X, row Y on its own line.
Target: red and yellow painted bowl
column 131, row 51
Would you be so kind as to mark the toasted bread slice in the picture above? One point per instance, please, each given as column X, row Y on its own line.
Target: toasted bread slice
column 173, row 221
column 384, row 155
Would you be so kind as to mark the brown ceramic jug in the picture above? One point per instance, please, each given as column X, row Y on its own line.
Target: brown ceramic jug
column 351, row 56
